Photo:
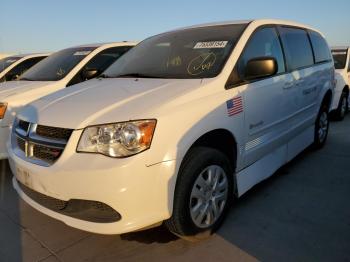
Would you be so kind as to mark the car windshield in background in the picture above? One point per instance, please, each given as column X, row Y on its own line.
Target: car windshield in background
column 184, row 54
column 7, row 61
column 339, row 57
column 58, row 65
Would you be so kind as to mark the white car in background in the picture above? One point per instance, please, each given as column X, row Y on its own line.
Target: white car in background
column 60, row 70
column 341, row 57
column 12, row 67
column 176, row 129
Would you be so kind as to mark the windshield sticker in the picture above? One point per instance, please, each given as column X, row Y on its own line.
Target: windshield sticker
column 60, row 72
column 211, row 44
column 175, row 61
column 339, row 52
column 201, row 64
column 83, row 53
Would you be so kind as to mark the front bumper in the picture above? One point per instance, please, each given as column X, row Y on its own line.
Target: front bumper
column 141, row 194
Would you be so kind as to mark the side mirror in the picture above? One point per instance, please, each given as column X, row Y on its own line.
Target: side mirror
column 89, row 73
column 260, row 67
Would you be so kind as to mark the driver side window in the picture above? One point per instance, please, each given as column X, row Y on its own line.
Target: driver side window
column 264, row 43
column 21, row 68
column 100, row 62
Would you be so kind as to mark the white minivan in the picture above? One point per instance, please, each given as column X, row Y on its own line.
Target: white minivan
column 62, row 69
column 13, row 67
column 176, row 129
column 340, row 104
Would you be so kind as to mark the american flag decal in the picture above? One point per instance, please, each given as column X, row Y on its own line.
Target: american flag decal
column 234, row 106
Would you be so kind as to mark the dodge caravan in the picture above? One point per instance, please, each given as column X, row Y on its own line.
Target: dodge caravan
column 177, row 129
column 62, row 69
column 340, row 105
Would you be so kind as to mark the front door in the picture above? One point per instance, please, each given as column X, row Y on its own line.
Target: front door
column 266, row 99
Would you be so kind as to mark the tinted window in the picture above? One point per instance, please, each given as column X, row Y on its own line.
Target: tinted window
column 339, row 57
column 6, row 62
column 58, row 65
column 297, row 47
column 101, row 62
column 190, row 53
column 106, row 58
column 320, row 46
column 264, row 43
column 22, row 67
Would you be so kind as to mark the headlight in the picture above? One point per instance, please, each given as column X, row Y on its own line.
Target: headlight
column 3, row 107
column 119, row 139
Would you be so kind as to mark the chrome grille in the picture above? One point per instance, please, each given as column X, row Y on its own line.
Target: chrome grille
column 39, row 144
column 21, row 144
column 23, row 125
column 53, row 132
column 47, row 153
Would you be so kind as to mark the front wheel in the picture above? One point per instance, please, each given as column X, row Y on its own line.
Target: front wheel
column 203, row 194
column 321, row 127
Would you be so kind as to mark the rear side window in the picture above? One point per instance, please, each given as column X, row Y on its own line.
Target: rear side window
column 297, row 48
column 339, row 57
column 320, row 46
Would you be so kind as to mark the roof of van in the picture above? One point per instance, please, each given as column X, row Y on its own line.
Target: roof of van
column 30, row 55
column 96, row 45
column 258, row 22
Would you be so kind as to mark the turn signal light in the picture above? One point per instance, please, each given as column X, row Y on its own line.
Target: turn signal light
column 3, row 107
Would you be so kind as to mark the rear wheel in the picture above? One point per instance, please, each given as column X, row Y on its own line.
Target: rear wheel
column 203, row 194
column 342, row 107
column 321, row 127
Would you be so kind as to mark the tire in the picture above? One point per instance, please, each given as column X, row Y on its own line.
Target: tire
column 321, row 127
column 342, row 109
column 195, row 197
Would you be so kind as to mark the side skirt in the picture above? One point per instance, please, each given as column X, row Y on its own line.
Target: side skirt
column 266, row 166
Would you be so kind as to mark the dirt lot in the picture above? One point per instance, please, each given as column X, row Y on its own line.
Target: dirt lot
column 302, row 213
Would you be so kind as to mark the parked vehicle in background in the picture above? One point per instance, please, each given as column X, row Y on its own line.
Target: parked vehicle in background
column 340, row 104
column 60, row 70
column 178, row 128
column 12, row 67
column 3, row 55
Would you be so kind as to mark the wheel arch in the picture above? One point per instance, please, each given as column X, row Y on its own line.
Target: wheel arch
column 220, row 139
column 346, row 90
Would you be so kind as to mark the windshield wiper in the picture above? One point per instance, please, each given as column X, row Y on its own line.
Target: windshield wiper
column 137, row 75
column 25, row 79
column 103, row 76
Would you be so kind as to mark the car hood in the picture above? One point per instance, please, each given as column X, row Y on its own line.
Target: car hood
column 12, row 88
column 102, row 101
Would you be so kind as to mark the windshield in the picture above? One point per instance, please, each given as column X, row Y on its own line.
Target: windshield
column 339, row 57
column 189, row 53
column 58, row 65
column 7, row 61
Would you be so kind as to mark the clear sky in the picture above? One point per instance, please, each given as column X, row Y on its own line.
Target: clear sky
column 49, row 25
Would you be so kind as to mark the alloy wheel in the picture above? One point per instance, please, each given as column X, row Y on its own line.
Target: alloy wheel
column 209, row 196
